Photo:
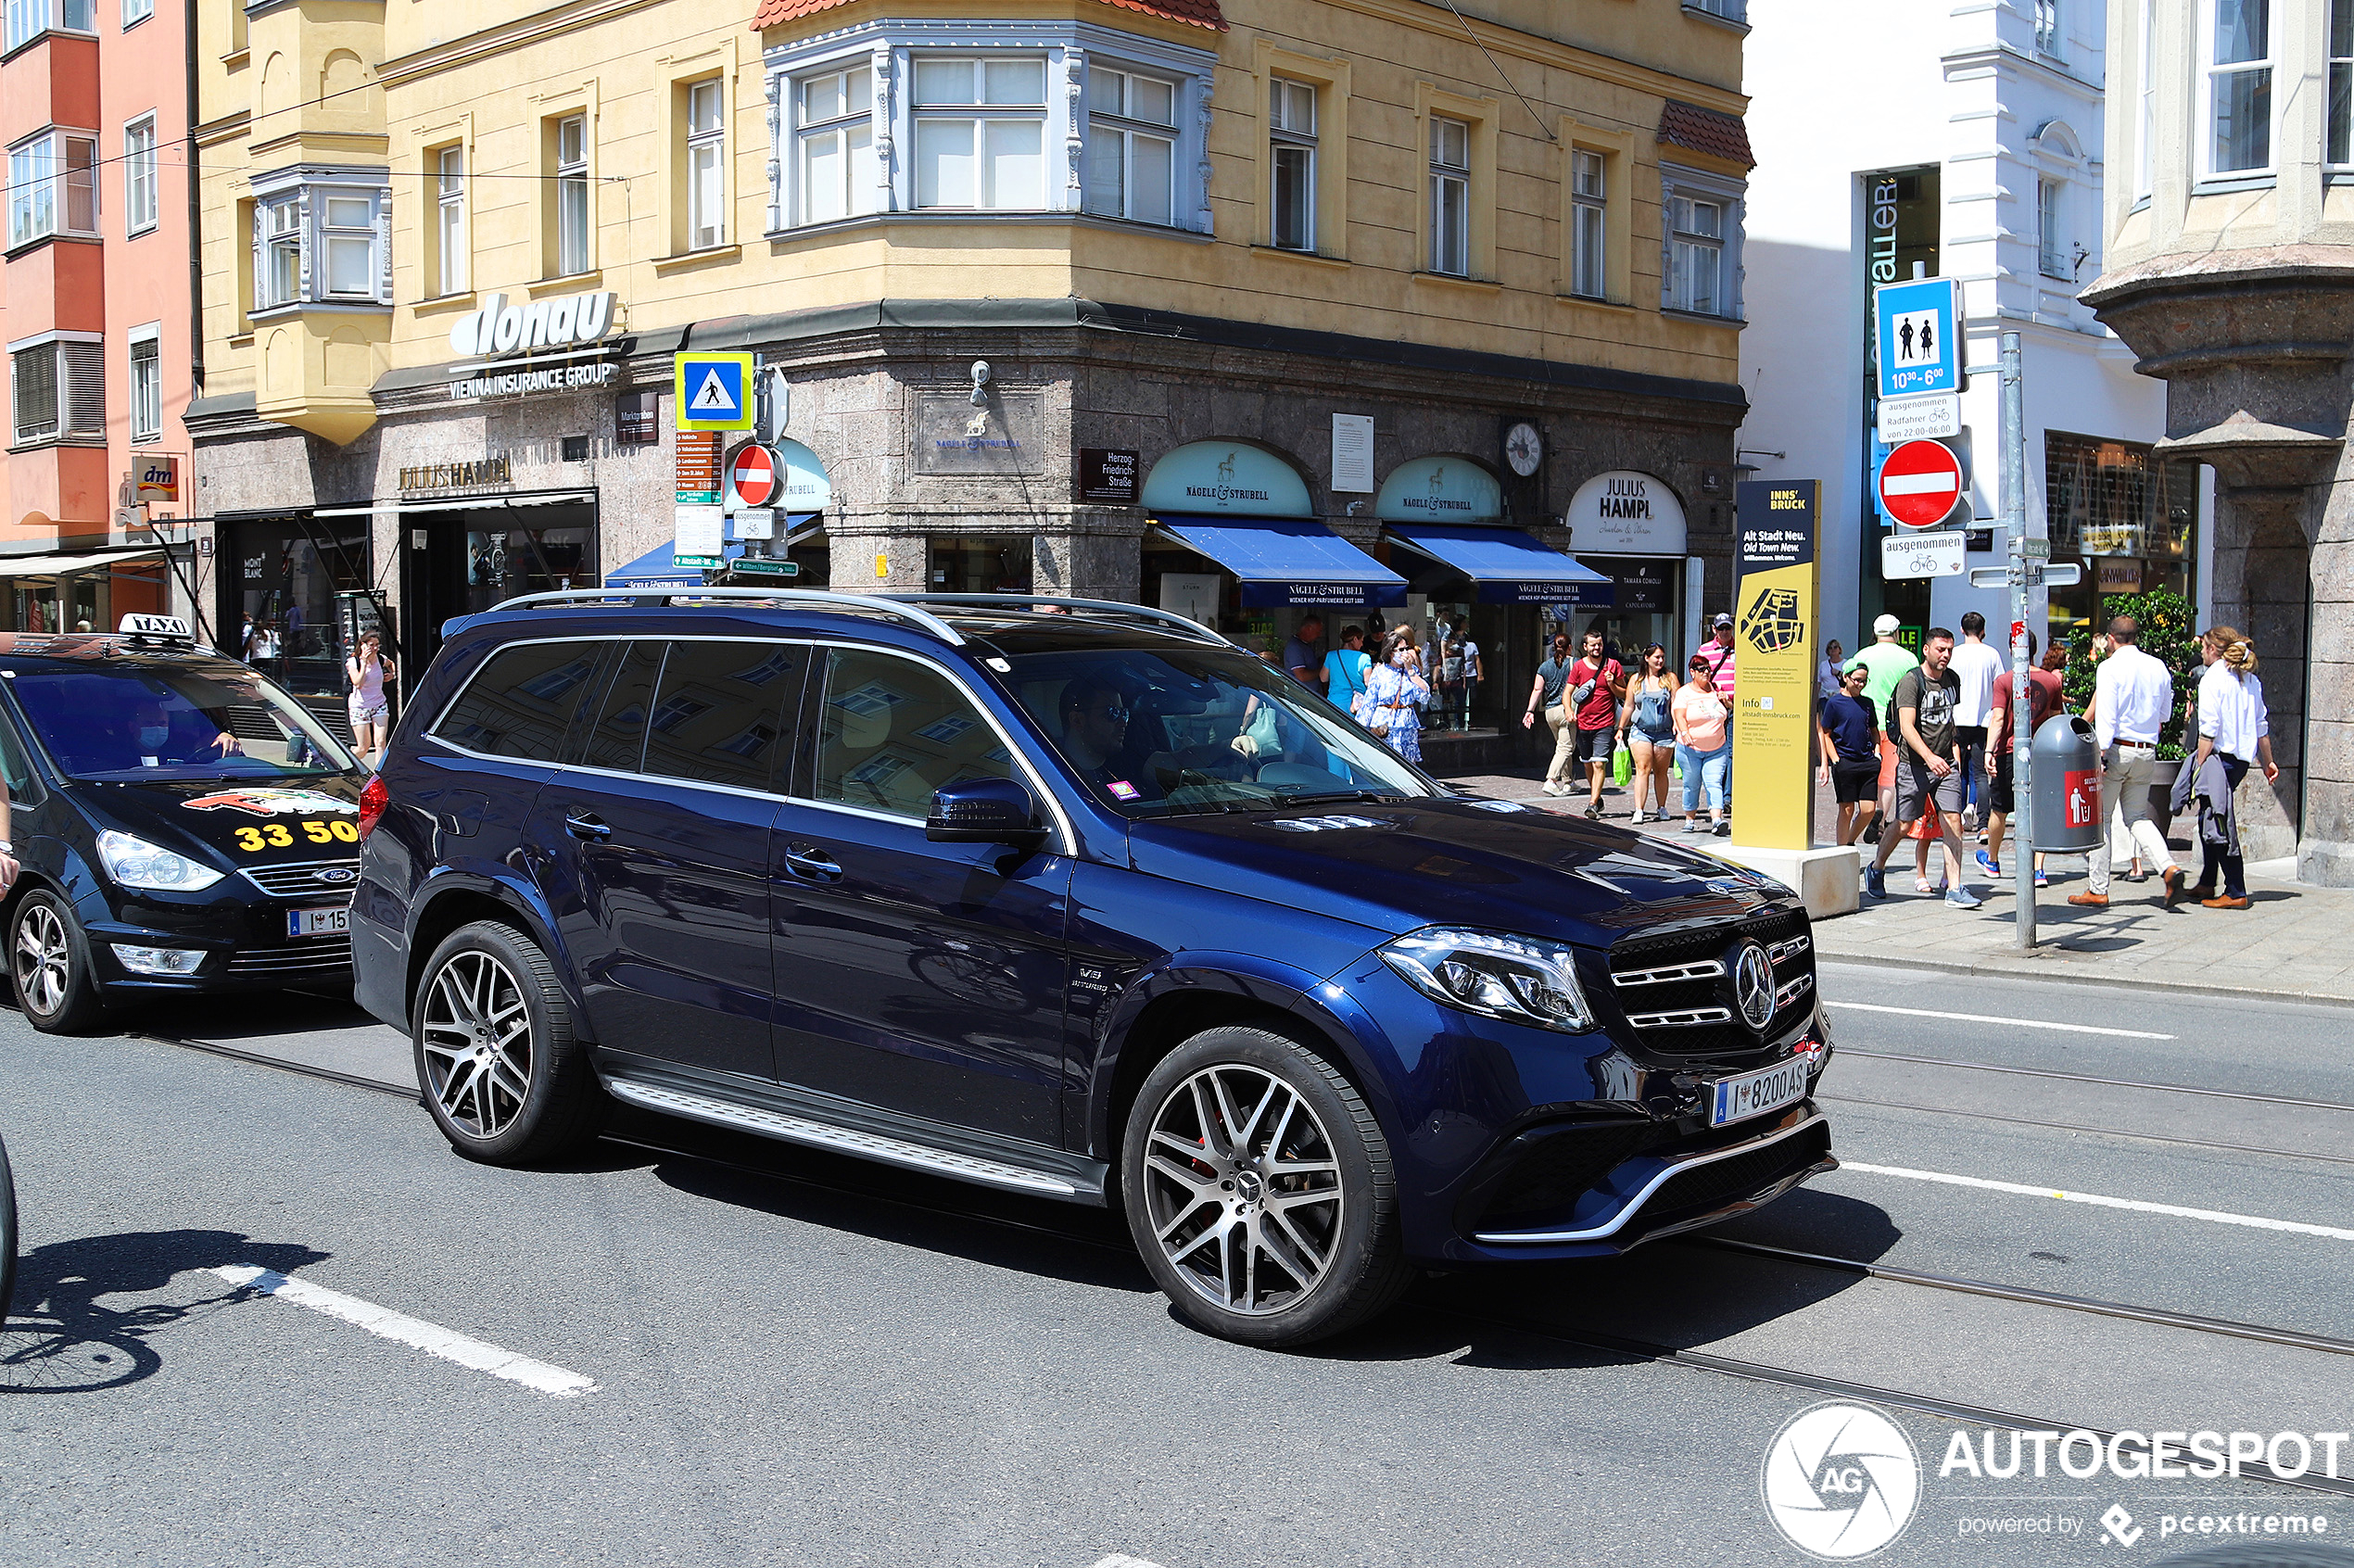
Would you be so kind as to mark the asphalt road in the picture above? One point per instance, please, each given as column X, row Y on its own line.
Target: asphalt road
column 798, row 1359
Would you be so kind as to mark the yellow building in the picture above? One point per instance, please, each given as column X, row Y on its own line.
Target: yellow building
column 1029, row 279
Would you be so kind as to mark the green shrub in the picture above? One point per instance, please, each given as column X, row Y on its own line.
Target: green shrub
column 2169, row 633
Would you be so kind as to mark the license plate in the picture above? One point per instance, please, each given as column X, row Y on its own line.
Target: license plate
column 1754, row 1093
column 318, row 922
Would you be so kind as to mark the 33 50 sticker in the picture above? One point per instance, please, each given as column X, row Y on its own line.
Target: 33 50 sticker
column 278, row 835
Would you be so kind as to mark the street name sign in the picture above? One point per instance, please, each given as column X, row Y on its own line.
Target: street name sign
column 752, row 566
column 1920, row 347
column 1921, row 555
column 1919, row 483
column 1922, row 418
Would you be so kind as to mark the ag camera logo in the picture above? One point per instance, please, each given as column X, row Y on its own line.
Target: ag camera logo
column 1841, row 1482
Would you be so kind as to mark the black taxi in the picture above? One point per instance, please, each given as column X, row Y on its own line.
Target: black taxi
column 182, row 823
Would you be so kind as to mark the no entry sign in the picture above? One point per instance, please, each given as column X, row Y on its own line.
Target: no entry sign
column 751, row 475
column 1919, row 483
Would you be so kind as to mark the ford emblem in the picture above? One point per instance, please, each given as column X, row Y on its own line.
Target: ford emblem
column 337, row 874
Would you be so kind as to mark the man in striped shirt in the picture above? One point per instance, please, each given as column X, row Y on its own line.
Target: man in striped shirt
column 1718, row 652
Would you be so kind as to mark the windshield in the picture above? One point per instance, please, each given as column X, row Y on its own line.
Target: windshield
column 1164, row 731
column 148, row 723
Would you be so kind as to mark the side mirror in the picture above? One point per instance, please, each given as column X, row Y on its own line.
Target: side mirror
column 985, row 811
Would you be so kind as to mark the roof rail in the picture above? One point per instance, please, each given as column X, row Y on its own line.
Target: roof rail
column 814, row 597
column 1076, row 606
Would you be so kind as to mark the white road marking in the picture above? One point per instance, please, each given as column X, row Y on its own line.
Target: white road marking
column 1119, row 1561
column 1989, row 1019
column 386, row 1324
column 2255, row 1222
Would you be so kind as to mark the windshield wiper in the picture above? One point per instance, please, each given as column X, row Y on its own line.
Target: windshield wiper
column 1339, row 795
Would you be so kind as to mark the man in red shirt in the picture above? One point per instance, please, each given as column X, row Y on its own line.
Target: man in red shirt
column 1597, row 685
column 2043, row 698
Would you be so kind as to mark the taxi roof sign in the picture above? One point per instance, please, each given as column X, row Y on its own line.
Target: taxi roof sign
column 713, row 391
column 171, row 627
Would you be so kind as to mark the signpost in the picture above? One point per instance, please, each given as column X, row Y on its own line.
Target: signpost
column 1920, row 483
column 1922, row 555
column 1777, row 582
column 713, row 391
column 1921, row 418
column 1920, row 346
column 753, row 477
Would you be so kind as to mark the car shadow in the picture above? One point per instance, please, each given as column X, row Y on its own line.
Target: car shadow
column 60, row 1336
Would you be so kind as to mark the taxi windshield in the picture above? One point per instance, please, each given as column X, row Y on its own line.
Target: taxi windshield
column 1168, row 731
column 140, row 723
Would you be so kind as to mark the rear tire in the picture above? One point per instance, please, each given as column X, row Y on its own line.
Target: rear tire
column 49, row 963
column 1259, row 1190
column 496, row 1060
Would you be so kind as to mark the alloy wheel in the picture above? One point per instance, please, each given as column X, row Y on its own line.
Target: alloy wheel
column 43, row 958
column 1243, row 1189
column 476, row 1039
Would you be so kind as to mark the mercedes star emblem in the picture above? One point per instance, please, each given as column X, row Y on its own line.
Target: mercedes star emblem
column 1753, row 986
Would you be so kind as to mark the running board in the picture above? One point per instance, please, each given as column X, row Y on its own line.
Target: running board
column 842, row 1140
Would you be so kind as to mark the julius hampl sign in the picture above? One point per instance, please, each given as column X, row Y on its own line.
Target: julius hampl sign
column 501, row 330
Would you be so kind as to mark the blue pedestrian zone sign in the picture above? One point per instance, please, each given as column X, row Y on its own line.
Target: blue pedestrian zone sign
column 1920, row 340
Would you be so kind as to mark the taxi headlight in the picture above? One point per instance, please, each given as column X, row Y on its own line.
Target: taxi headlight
column 1520, row 979
column 134, row 863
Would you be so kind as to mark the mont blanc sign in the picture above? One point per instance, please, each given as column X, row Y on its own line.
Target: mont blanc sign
column 502, row 330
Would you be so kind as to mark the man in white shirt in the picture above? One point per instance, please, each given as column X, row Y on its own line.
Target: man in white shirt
column 2132, row 697
column 1978, row 665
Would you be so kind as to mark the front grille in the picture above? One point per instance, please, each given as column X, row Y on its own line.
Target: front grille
column 300, row 881
column 319, row 956
column 1726, row 1180
column 1678, row 989
column 1548, row 1177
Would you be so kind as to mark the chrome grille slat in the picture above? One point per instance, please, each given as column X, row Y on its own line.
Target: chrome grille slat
column 1776, row 953
column 1793, row 992
column 300, row 880
column 1668, row 974
column 324, row 953
column 1689, row 1018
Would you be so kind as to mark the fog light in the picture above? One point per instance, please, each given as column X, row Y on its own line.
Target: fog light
column 158, row 960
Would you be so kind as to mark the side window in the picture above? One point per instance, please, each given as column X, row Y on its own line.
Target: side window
column 716, row 713
column 892, row 730
column 521, row 699
column 618, row 742
column 14, row 771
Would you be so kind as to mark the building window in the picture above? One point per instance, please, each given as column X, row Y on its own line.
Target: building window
column 980, row 134
column 1131, row 146
column 138, row 11
column 2236, row 43
column 42, row 200
column 706, row 167
column 1291, row 121
column 2341, row 131
column 277, row 274
column 1589, row 223
column 2051, row 245
column 59, row 389
column 834, row 115
column 146, row 385
column 139, row 202
column 1731, row 10
column 2143, row 154
column 348, row 233
column 1696, row 256
column 572, row 194
column 450, row 221
column 2047, row 27
column 28, row 20
column 34, row 383
column 1449, row 196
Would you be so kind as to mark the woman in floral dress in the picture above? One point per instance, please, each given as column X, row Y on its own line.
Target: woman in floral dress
column 1395, row 692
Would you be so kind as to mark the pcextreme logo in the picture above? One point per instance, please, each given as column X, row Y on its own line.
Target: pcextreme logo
column 1841, row 1482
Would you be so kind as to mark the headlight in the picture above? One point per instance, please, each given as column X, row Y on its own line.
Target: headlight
column 134, row 863
column 1519, row 979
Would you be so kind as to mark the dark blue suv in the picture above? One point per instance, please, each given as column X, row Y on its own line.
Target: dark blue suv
column 1088, row 905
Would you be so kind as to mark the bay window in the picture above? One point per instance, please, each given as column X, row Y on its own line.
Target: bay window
column 53, row 186
column 2236, row 60
column 981, row 132
column 834, row 132
column 28, row 20
column 1131, row 146
column 277, row 272
column 58, row 388
column 1702, row 252
column 315, row 244
column 1291, row 122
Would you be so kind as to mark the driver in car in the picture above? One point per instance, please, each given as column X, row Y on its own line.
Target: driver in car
column 154, row 734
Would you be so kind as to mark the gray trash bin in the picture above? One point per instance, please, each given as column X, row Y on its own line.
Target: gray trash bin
column 2067, row 786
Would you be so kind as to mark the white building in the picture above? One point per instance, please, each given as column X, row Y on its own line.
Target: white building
column 1966, row 138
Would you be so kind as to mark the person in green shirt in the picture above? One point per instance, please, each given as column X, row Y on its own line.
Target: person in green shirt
column 1886, row 662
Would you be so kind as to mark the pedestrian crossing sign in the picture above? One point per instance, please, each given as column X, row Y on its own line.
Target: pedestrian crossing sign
column 713, row 391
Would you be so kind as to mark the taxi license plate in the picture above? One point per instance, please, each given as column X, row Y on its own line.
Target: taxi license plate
column 1754, row 1093
column 318, row 922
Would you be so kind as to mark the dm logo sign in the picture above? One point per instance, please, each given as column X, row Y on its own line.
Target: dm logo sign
column 1841, row 1482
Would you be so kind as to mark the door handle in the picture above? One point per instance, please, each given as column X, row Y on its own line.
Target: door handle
column 806, row 860
column 586, row 825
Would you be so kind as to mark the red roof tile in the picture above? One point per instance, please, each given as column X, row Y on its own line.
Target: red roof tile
column 1201, row 13
column 1705, row 131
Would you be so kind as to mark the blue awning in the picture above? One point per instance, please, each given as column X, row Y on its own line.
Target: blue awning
column 1290, row 560
column 656, row 569
column 1510, row 567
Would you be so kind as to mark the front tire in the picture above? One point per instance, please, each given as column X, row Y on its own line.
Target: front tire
column 50, row 961
column 1259, row 1190
column 496, row 1060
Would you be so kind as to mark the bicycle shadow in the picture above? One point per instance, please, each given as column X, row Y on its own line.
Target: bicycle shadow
column 58, row 1337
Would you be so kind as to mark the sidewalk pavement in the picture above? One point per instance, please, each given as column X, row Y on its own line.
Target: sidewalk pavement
column 2288, row 942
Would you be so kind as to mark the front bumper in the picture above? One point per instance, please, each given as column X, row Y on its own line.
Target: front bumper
column 243, row 939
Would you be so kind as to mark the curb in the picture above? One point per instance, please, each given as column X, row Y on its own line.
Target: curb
column 2029, row 969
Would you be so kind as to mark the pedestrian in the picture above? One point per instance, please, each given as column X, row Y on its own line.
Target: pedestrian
column 367, row 670
column 1704, row 745
column 1831, row 672
column 1977, row 664
column 2234, row 730
column 2132, row 697
column 1929, row 768
column 1718, row 652
column 1300, row 655
column 1545, row 696
column 1887, row 662
column 1847, row 736
column 1473, row 673
column 2043, row 700
column 1648, row 729
column 1344, row 670
column 1598, row 683
column 1450, row 681
column 1394, row 693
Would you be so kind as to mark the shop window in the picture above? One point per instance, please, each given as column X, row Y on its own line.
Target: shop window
column 2341, row 102
column 1131, row 146
column 981, row 132
column 53, row 186
column 573, row 252
column 1291, row 121
column 1589, row 219
column 983, row 563
column 2236, row 61
column 59, row 389
column 146, row 383
column 2127, row 516
column 1449, row 196
column 706, row 166
column 279, row 592
column 834, row 134
column 450, row 254
column 140, row 206
column 28, row 20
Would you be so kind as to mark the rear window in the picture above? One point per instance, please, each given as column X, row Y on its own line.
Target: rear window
column 719, row 711
column 522, row 701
